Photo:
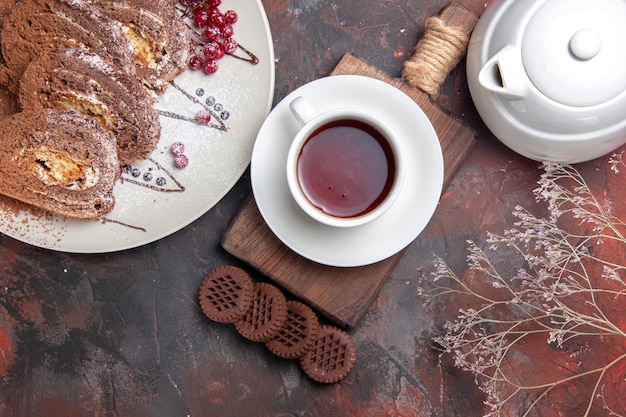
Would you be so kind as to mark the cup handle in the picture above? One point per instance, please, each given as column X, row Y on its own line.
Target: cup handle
column 302, row 110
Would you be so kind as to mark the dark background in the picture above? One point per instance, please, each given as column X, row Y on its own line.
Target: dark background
column 121, row 334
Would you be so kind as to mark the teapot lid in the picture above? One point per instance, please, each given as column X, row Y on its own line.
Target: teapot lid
column 574, row 51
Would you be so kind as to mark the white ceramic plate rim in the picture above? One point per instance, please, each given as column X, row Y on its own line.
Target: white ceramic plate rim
column 218, row 158
column 393, row 230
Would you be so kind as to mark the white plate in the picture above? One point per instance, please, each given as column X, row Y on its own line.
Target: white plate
column 147, row 210
column 395, row 228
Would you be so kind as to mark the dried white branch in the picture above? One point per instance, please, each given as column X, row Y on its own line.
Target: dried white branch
column 557, row 293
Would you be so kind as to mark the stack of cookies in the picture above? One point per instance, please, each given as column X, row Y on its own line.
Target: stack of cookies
column 290, row 329
column 101, row 60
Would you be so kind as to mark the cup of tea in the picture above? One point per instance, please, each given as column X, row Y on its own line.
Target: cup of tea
column 344, row 166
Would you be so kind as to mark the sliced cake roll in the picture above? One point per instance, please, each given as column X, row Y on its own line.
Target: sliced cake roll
column 82, row 81
column 159, row 37
column 60, row 161
column 36, row 26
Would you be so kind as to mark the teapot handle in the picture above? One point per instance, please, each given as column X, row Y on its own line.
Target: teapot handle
column 504, row 74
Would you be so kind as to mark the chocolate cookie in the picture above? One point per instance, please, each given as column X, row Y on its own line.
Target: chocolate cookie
column 226, row 294
column 331, row 357
column 267, row 315
column 298, row 333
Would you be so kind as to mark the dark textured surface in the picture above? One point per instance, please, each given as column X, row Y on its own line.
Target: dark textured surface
column 122, row 334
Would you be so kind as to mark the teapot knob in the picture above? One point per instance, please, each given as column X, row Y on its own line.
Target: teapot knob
column 585, row 44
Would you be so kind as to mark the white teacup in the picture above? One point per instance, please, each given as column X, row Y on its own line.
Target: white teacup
column 345, row 166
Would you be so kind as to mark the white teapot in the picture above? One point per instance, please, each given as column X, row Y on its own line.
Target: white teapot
column 548, row 77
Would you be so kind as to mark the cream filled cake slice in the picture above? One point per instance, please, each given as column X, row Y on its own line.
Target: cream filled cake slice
column 159, row 37
column 36, row 26
column 60, row 161
column 83, row 81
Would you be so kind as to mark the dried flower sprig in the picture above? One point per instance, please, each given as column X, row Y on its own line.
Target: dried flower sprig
column 567, row 293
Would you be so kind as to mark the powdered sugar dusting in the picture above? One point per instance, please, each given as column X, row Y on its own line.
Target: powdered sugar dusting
column 153, row 197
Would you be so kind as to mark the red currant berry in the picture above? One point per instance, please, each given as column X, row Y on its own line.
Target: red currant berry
column 213, row 11
column 213, row 51
column 214, row 3
column 195, row 62
column 212, row 33
column 227, row 31
column 230, row 45
column 210, row 67
column 204, row 117
column 217, row 19
column 230, row 17
column 177, row 148
column 181, row 161
column 201, row 18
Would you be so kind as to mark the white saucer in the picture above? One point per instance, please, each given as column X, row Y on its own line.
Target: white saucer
column 394, row 229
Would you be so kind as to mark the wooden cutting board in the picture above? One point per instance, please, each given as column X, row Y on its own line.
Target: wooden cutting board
column 342, row 295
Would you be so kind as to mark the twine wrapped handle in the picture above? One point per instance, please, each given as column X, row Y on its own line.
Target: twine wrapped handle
column 441, row 48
